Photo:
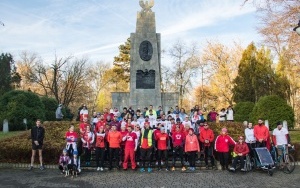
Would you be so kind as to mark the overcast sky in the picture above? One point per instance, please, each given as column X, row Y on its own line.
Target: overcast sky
column 95, row 28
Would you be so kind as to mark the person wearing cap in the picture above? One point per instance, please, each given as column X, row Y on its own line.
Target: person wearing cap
column 163, row 144
column 58, row 113
column 63, row 161
column 207, row 137
column 71, row 138
column 131, row 143
column 74, row 163
column 100, row 148
column 222, row 143
column 147, row 142
column 178, row 144
column 178, row 123
column 240, row 151
column 191, row 148
column 87, row 140
column 114, row 139
column 280, row 138
column 261, row 133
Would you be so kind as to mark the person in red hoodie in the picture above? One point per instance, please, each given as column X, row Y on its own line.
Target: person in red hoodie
column 101, row 123
column 114, row 139
column 261, row 133
column 207, row 137
column 163, row 144
column 178, row 143
column 240, row 150
column 191, row 148
column 222, row 143
column 131, row 143
column 100, row 147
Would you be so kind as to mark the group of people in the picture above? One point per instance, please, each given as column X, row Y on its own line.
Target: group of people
column 131, row 137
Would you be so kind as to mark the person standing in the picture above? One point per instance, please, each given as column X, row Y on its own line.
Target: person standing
column 261, row 133
column 178, row 144
column 206, row 138
column 163, row 144
column 222, row 115
column 191, row 148
column 87, row 143
column 84, row 113
column 222, row 143
column 250, row 138
column 131, row 143
column 114, row 139
column 147, row 142
column 58, row 113
column 212, row 115
column 229, row 113
column 37, row 138
column 71, row 138
column 100, row 148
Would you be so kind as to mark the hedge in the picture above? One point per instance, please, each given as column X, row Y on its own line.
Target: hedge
column 242, row 111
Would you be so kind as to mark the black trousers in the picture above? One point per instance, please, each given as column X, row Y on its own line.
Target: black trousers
column 208, row 152
column 242, row 161
column 100, row 156
column 87, row 152
column 146, row 156
column 251, row 148
column 162, row 154
column 177, row 151
column 224, row 158
column 261, row 144
column 192, row 158
column 114, row 153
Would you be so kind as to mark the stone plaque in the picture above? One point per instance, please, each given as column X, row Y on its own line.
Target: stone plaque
column 146, row 50
column 145, row 79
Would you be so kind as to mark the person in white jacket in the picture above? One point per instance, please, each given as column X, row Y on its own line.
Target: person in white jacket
column 250, row 138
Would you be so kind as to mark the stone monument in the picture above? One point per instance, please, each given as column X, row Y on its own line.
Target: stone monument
column 145, row 66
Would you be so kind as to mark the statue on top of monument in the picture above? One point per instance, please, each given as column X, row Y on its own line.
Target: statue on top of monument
column 146, row 6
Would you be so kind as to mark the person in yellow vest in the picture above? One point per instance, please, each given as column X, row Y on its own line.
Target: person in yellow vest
column 147, row 142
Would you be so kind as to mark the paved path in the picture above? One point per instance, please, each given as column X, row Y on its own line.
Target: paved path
column 90, row 178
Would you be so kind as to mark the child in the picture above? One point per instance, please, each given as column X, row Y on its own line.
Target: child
column 240, row 150
column 191, row 148
column 87, row 141
column 222, row 147
column 100, row 147
column 74, row 163
column 63, row 161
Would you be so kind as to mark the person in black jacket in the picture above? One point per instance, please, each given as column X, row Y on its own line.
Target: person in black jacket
column 37, row 137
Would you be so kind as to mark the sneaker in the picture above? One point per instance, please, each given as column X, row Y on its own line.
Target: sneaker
column 173, row 168
column 206, row 167
column 98, row 168
column 142, row 170
column 183, row 169
column 30, row 168
column 193, row 169
column 149, row 169
column 243, row 170
column 167, row 169
column 232, row 169
column 101, row 169
column 198, row 161
column 159, row 169
column 42, row 167
column 162, row 163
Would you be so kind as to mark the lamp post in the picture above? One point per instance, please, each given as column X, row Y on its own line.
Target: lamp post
column 297, row 28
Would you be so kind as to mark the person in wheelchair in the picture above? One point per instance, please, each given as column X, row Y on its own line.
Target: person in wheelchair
column 240, row 151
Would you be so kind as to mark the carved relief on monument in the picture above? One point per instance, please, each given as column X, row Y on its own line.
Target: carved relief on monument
column 146, row 50
column 146, row 6
column 145, row 79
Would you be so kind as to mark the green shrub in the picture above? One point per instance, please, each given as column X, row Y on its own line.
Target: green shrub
column 274, row 109
column 235, row 129
column 242, row 111
column 17, row 105
column 19, row 147
column 50, row 108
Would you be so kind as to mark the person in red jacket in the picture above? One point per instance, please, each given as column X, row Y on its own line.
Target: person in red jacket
column 100, row 147
column 191, row 148
column 87, row 143
column 163, row 145
column 222, row 143
column 83, row 125
column 122, row 145
column 178, row 123
column 101, row 123
column 240, row 150
column 71, row 138
column 207, row 137
column 131, row 143
column 114, row 139
column 261, row 133
column 178, row 143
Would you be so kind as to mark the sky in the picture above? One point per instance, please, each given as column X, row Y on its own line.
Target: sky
column 95, row 28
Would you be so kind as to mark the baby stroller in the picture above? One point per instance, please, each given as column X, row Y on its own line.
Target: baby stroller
column 264, row 160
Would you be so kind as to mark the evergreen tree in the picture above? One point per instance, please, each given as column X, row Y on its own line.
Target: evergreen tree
column 122, row 62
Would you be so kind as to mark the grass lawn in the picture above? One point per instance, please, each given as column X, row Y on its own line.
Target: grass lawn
column 9, row 134
column 295, row 136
